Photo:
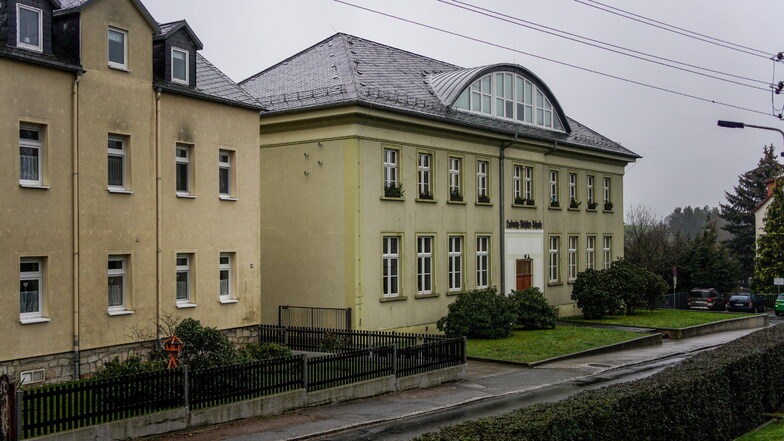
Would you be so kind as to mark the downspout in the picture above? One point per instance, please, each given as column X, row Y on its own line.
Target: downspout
column 555, row 147
column 75, row 221
column 158, row 216
column 502, row 212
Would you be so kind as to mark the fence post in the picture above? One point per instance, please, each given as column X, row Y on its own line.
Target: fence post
column 305, row 372
column 18, row 415
column 465, row 356
column 186, row 392
column 394, row 359
column 285, row 336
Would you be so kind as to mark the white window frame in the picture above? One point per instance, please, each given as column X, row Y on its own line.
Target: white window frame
column 528, row 182
column 607, row 251
column 123, row 155
column 391, row 260
column 38, row 276
column 482, row 262
column 504, row 95
column 455, row 181
column 455, row 263
column 554, row 190
column 572, row 187
column 19, row 43
column 185, row 80
column 36, row 145
column 555, row 259
column 482, row 178
column 32, row 376
column 482, row 95
column 114, row 64
column 517, row 181
column 590, row 252
column 590, row 188
column 123, row 274
column 228, row 295
column 186, row 162
column 225, row 158
column 573, row 243
column 391, row 176
column 425, row 265
column 425, row 175
column 183, row 266
column 607, row 189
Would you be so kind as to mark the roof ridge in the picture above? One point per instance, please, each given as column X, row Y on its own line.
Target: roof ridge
column 396, row 49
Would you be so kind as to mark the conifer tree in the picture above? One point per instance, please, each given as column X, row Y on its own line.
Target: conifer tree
column 749, row 193
column 769, row 263
column 709, row 264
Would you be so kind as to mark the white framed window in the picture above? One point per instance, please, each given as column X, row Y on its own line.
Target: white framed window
column 455, row 263
column 391, row 168
column 183, row 169
column 554, row 201
column 30, row 155
column 225, row 276
column 504, row 93
column 179, row 65
column 455, row 184
column 29, row 28
column 590, row 252
column 590, row 189
column 118, row 48
column 572, row 187
column 482, row 261
column 481, row 95
column 33, row 376
column 517, row 183
column 607, row 252
column 117, row 283
column 555, row 257
column 224, row 173
column 482, row 180
column 31, row 285
column 390, row 258
column 424, row 265
column 572, row 248
column 607, row 192
column 528, row 183
column 183, row 279
column 117, row 155
column 425, row 175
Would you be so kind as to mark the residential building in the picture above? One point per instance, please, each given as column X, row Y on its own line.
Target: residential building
column 762, row 210
column 130, row 190
column 392, row 182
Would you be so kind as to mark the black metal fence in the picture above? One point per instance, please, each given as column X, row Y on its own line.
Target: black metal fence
column 678, row 300
column 314, row 317
column 315, row 339
column 430, row 356
column 349, row 367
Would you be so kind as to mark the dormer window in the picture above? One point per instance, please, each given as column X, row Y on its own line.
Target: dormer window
column 510, row 96
column 118, row 49
column 29, row 28
column 179, row 65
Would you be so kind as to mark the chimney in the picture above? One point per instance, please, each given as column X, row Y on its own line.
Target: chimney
column 771, row 185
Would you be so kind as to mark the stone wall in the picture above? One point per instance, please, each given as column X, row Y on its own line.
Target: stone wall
column 59, row 368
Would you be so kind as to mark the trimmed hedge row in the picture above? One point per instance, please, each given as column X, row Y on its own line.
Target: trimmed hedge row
column 713, row 396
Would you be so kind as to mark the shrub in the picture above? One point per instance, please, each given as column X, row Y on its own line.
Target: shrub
column 626, row 281
column 592, row 294
column 255, row 351
column 654, row 289
column 132, row 365
column 479, row 314
column 203, row 346
column 331, row 343
column 737, row 382
column 532, row 309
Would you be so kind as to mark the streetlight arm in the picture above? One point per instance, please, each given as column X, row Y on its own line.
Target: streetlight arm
column 740, row 125
column 767, row 128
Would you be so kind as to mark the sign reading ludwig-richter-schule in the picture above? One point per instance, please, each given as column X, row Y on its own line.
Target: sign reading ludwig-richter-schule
column 524, row 225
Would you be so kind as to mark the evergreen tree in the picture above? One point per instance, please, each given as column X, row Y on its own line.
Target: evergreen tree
column 769, row 262
column 749, row 193
column 709, row 264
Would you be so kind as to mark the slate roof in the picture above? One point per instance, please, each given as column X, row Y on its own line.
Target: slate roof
column 214, row 85
column 169, row 28
column 69, row 6
column 344, row 69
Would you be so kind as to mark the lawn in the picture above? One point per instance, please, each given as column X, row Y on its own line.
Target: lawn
column 663, row 318
column 771, row 432
column 530, row 346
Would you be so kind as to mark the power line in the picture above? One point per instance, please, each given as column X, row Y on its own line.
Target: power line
column 489, row 43
column 676, row 30
column 579, row 39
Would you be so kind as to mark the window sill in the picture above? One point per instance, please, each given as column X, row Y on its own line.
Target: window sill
column 390, row 198
column 226, row 198
column 119, row 67
column 228, row 301
column 554, row 208
column 32, row 321
column 119, row 191
column 392, row 299
column 455, row 293
column 608, row 211
column 456, row 202
column 431, row 295
column 523, row 206
column 554, row 283
column 591, row 210
column 485, row 204
column 120, row 312
column 35, row 186
column 186, row 196
column 574, row 209
column 30, row 48
column 428, row 201
column 186, row 305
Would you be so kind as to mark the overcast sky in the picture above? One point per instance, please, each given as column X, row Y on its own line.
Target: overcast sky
column 687, row 158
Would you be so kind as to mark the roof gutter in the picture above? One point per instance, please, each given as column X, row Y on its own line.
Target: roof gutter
column 555, row 147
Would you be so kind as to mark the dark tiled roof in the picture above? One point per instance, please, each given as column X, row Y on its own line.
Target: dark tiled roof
column 348, row 69
column 214, row 85
column 56, row 61
column 68, row 6
column 169, row 28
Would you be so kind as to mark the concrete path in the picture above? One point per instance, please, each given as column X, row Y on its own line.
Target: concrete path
column 485, row 381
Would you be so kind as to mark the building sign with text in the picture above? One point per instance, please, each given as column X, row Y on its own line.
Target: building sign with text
column 524, row 224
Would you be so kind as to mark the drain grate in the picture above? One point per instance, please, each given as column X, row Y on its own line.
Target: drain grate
column 602, row 365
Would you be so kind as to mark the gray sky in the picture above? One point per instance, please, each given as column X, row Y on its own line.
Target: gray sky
column 687, row 159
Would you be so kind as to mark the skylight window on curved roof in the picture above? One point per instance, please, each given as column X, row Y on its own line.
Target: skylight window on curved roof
column 509, row 96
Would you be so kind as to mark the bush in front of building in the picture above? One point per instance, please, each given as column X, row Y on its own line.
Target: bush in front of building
column 256, row 351
column 532, row 309
column 623, row 287
column 591, row 291
column 734, row 384
column 479, row 313
column 131, row 365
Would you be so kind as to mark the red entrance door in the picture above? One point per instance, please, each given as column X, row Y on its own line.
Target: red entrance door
column 523, row 274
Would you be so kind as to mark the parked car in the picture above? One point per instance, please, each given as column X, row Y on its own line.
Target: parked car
column 779, row 308
column 746, row 302
column 707, row 298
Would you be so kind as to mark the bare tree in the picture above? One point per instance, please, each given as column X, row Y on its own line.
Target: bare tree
column 648, row 242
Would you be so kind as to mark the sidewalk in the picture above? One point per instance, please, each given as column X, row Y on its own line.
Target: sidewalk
column 485, row 381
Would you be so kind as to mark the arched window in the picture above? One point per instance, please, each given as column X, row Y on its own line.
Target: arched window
column 509, row 96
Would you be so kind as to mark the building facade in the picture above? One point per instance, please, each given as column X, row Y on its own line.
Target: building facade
column 130, row 190
column 392, row 182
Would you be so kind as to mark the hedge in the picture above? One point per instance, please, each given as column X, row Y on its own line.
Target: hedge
column 715, row 395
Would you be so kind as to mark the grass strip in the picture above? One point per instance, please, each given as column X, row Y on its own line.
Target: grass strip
column 663, row 318
column 771, row 432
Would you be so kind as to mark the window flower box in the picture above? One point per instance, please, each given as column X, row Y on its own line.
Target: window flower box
column 393, row 190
